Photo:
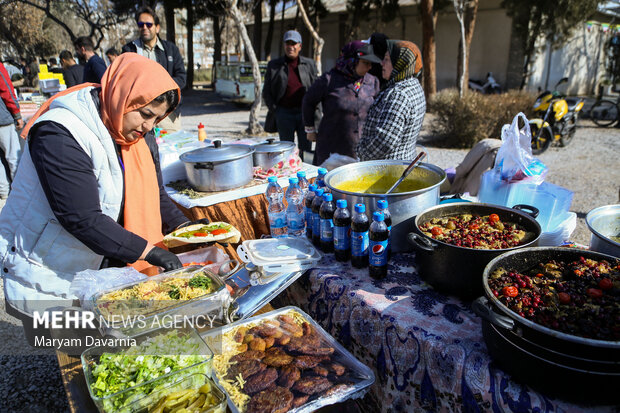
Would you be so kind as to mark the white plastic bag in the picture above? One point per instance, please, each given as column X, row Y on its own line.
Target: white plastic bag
column 89, row 282
column 514, row 160
column 335, row 160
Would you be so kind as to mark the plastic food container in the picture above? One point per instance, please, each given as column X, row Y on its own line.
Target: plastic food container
column 215, row 303
column 197, row 359
column 345, row 377
column 194, row 381
column 280, row 255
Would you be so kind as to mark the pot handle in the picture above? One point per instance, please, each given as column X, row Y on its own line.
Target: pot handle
column 203, row 165
column 227, row 274
column 481, row 307
column 420, row 242
column 528, row 209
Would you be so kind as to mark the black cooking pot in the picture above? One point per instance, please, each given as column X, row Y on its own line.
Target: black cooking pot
column 458, row 270
column 558, row 364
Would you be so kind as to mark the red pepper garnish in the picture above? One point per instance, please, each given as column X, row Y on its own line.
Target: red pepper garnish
column 218, row 231
column 493, row 218
column 436, row 231
column 510, row 291
column 200, row 234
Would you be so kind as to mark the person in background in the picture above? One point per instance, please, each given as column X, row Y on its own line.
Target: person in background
column 286, row 80
column 53, row 66
column 163, row 52
column 95, row 66
column 395, row 118
column 43, row 61
column 345, row 92
column 111, row 54
column 10, row 118
column 89, row 187
column 11, row 68
column 379, row 45
column 72, row 72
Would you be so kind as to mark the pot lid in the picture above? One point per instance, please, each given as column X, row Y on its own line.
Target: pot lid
column 273, row 145
column 217, row 153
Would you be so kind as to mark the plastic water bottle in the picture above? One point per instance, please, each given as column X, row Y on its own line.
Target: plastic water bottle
column 303, row 182
column 382, row 206
column 377, row 254
column 320, row 179
column 295, row 218
column 277, row 209
column 327, row 223
column 342, row 231
column 308, row 209
column 316, row 219
column 359, row 237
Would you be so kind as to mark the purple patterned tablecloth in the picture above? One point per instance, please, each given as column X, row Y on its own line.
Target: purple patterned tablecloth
column 426, row 349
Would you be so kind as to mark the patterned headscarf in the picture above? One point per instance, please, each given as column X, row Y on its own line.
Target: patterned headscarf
column 348, row 60
column 406, row 61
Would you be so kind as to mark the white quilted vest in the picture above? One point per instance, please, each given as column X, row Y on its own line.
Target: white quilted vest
column 39, row 258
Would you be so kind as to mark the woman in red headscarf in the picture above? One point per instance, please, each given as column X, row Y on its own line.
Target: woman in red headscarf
column 88, row 190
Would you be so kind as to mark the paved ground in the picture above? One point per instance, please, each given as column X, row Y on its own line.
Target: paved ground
column 589, row 167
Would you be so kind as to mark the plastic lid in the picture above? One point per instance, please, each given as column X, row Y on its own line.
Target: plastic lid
column 378, row 216
column 382, row 204
column 341, row 203
column 272, row 179
column 360, row 208
column 268, row 251
column 217, row 153
column 292, row 180
column 201, row 126
column 273, row 145
column 322, row 171
column 312, row 187
column 319, row 192
column 301, row 174
column 327, row 197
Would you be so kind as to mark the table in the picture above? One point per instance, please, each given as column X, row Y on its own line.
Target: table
column 426, row 349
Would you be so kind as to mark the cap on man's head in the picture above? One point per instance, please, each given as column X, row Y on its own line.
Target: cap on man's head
column 292, row 35
column 367, row 53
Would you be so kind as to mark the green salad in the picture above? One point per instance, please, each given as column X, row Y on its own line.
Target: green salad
column 141, row 365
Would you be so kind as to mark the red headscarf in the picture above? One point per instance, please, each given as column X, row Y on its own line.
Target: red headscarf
column 131, row 82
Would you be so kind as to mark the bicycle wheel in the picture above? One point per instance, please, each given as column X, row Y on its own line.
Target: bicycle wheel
column 542, row 142
column 604, row 113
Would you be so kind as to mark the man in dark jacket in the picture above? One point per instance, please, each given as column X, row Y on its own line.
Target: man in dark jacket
column 72, row 72
column 286, row 80
column 95, row 66
column 10, row 118
column 163, row 52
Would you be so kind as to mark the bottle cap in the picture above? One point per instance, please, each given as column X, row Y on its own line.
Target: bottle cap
column 360, row 208
column 293, row 180
column 382, row 204
column 327, row 197
column 272, row 179
column 341, row 203
column 378, row 216
column 319, row 192
column 322, row 171
column 312, row 187
column 301, row 174
column 201, row 126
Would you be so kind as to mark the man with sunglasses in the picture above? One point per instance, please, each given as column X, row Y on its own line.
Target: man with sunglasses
column 163, row 52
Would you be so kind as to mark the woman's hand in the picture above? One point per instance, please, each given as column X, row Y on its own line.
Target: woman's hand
column 311, row 136
column 161, row 258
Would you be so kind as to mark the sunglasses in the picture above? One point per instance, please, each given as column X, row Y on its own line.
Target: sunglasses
column 142, row 24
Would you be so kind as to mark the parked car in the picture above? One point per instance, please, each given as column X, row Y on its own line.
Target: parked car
column 234, row 81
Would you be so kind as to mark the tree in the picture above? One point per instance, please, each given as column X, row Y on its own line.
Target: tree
column 257, row 11
column 270, row 27
column 318, row 41
column 23, row 27
column 428, row 11
column 466, row 11
column 553, row 21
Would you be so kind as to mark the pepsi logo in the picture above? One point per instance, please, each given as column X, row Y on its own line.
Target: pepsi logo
column 378, row 249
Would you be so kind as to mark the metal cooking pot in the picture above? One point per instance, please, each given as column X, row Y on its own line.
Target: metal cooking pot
column 560, row 364
column 458, row 270
column 219, row 167
column 403, row 206
column 267, row 155
column 604, row 222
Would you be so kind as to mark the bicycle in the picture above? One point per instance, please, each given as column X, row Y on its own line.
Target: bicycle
column 605, row 112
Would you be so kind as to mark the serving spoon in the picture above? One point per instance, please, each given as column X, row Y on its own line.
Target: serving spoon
column 407, row 171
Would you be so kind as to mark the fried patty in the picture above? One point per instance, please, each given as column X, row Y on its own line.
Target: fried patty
column 276, row 400
column 260, row 381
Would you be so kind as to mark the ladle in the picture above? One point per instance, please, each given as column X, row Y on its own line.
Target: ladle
column 407, row 171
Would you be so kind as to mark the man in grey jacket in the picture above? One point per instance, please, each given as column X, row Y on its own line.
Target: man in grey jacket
column 10, row 118
column 286, row 80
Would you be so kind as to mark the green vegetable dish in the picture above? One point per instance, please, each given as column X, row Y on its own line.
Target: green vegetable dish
column 118, row 379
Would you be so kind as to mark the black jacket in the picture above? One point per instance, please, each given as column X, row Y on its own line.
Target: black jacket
column 276, row 78
column 170, row 59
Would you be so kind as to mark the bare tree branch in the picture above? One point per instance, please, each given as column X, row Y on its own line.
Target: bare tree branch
column 318, row 41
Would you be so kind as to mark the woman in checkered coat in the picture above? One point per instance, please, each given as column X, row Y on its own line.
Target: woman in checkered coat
column 395, row 118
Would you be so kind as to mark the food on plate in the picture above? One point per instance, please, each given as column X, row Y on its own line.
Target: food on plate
column 154, row 294
column 581, row 297
column 282, row 376
column 192, row 400
column 155, row 357
column 214, row 232
column 473, row 231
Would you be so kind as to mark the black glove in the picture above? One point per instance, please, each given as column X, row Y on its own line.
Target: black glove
column 162, row 258
column 201, row 221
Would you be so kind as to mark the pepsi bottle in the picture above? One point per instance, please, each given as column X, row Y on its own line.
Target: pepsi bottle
column 327, row 223
column 359, row 237
column 308, row 209
column 316, row 219
column 377, row 254
column 382, row 206
column 342, row 231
